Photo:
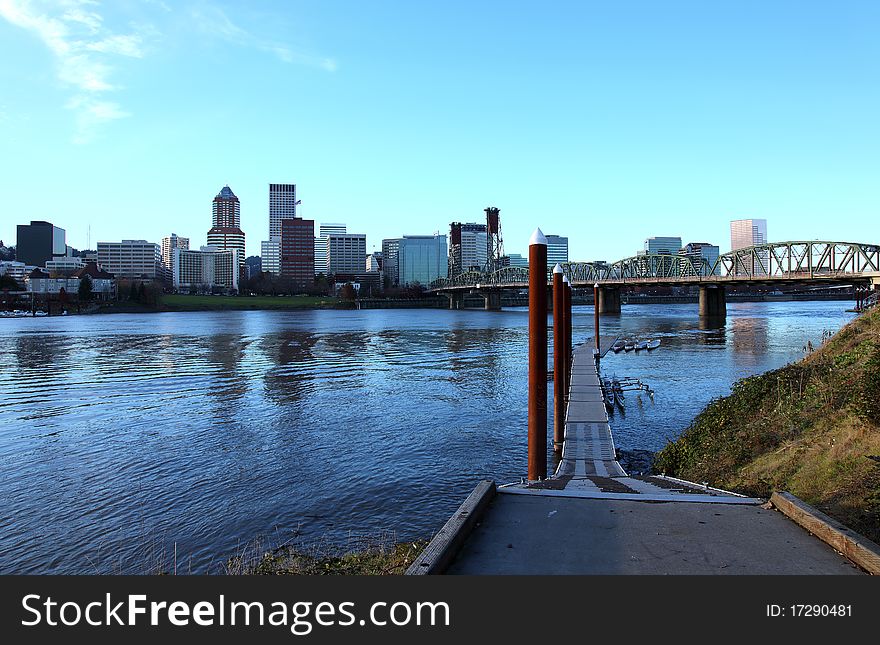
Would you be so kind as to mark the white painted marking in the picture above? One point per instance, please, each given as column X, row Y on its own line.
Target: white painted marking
column 571, row 491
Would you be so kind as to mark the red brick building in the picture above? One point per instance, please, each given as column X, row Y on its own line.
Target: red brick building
column 298, row 250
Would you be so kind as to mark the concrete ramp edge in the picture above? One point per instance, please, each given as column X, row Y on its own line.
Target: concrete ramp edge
column 443, row 548
column 854, row 546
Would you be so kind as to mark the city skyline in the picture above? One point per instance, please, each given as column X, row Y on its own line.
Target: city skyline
column 572, row 118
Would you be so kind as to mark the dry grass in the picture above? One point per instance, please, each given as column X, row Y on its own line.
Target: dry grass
column 812, row 428
column 362, row 555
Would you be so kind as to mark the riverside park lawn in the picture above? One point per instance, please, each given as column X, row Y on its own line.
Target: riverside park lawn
column 181, row 302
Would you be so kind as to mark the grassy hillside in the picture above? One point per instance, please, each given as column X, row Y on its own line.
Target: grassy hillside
column 812, row 428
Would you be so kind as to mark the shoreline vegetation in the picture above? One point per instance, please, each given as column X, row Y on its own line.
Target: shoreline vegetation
column 380, row 555
column 811, row 428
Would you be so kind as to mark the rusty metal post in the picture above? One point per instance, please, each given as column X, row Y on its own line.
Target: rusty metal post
column 537, row 356
column 596, row 313
column 560, row 360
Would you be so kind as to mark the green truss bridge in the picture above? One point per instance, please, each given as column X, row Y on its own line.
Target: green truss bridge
column 800, row 262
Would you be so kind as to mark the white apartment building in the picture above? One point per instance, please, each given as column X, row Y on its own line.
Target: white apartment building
column 18, row 271
column 173, row 241
column 205, row 269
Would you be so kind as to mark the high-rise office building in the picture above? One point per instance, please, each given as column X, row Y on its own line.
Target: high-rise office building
column 298, row 251
column 661, row 246
column 390, row 248
column 346, row 253
column 557, row 249
column 697, row 252
column 517, row 260
column 39, row 242
column 282, row 205
column 226, row 209
column 226, row 230
column 321, row 248
column 131, row 259
column 270, row 254
column 421, row 259
column 750, row 232
column 467, row 248
column 747, row 232
column 170, row 243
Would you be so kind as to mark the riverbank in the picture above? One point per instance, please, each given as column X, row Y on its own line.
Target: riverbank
column 184, row 302
column 370, row 556
column 811, row 428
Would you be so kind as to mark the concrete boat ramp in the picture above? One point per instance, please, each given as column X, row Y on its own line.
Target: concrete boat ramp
column 591, row 517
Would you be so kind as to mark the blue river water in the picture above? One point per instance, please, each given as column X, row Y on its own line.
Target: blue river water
column 125, row 438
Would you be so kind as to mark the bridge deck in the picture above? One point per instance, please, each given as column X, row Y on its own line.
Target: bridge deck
column 590, row 517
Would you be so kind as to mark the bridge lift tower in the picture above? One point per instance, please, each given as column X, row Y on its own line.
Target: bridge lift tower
column 494, row 242
column 455, row 254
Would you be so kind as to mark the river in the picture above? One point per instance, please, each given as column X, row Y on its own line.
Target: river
column 126, row 438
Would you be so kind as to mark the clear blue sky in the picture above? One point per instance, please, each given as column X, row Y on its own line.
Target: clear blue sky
column 604, row 121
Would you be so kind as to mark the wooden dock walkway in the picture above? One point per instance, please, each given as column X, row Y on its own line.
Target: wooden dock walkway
column 591, row 517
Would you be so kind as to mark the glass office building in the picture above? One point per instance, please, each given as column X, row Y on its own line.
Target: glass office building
column 421, row 259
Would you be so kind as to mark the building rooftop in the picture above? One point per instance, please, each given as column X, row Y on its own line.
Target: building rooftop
column 226, row 193
column 91, row 269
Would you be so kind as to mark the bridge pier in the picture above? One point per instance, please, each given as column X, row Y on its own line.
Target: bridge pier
column 713, row 301
column 492, row 299
column 609, row 300
column 456, row 299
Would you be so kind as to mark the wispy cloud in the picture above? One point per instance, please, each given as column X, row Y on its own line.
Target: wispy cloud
column 85, row 51
column 211, row 19
column 89, row 50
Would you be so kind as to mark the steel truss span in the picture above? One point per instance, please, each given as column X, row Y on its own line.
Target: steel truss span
column 794, row 261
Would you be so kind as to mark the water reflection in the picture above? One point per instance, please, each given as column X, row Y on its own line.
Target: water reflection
column 290, row 355
column 714, row 330
column 750, row 335
column 226, row 352
column 41, row 352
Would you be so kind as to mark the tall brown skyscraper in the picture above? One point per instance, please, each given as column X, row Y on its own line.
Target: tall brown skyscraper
column 226, row 230
column 298, row 251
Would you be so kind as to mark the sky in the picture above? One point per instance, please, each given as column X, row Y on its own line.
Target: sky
column 608, row 122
